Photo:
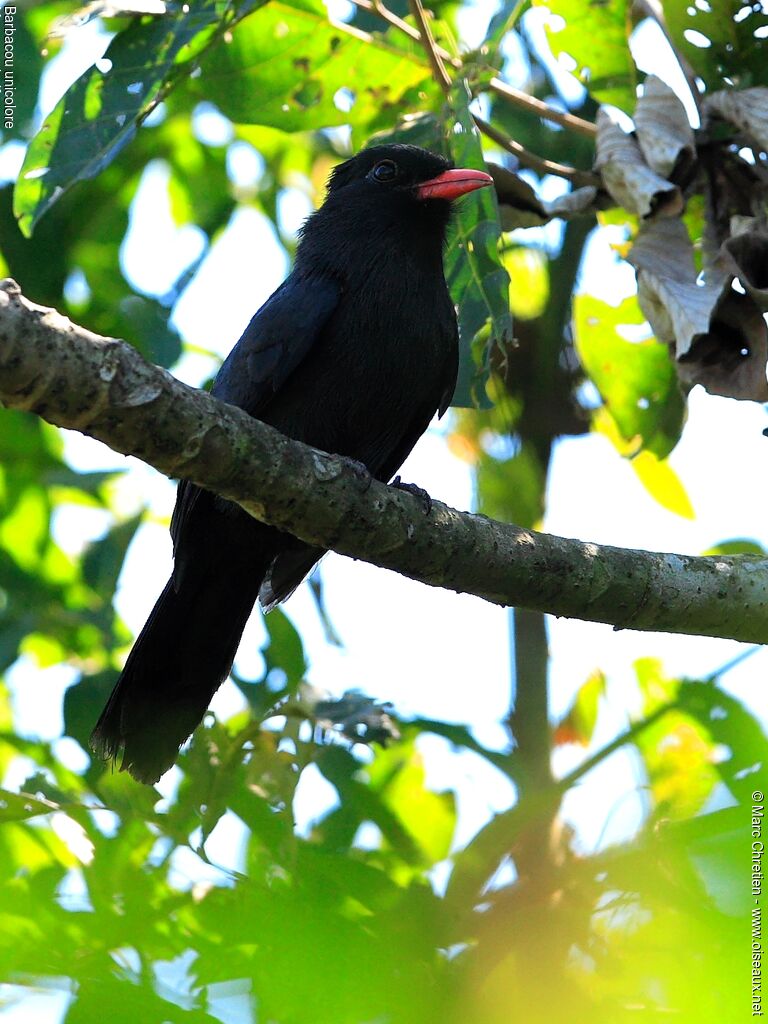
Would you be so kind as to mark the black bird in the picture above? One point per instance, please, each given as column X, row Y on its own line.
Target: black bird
column 353, row 354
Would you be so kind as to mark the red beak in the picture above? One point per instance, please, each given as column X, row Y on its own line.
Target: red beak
column 452, row 184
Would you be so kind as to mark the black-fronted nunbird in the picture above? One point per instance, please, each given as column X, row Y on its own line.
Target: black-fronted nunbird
column 353, row 354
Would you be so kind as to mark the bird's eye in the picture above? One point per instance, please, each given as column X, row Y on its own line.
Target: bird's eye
column 385, row 171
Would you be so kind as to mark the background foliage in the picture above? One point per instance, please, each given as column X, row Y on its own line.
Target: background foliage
column 107, row 891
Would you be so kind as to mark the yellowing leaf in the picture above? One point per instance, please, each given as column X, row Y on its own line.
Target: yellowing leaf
column 655, row 687
column 604, row 423
column 529, row 281
column 677, row 751
column 463, row 447
column 655, row 474
column 579, row 723
column 663, row 484
column 678, row 756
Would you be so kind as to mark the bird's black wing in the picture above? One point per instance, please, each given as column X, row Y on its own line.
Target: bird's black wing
column 386, row 463
column 276, row 341
column 272, row 346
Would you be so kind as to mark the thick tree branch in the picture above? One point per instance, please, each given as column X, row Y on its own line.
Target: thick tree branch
column 105, row 389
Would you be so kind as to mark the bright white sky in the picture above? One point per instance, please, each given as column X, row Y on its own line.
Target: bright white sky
column 428, row 651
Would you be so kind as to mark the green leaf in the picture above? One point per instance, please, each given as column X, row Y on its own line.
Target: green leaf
column 596, row 35
column 729, row 723
column 285, row 650
column 20, row 806
column 100, row 113
column 289, row 67
column 429, row 818
column 79, row 488
column 82, row 702
column 511, row 490
column 461, row 736
column 104, row 558
column 361, row 802
column 40, row 263
column 476, row 276
column 24, row 532
column 503, row 21
column 636, row 379
column 145, row 323
column 737, row 546
column 729, row 54
column 34, row 851
column 285, row 665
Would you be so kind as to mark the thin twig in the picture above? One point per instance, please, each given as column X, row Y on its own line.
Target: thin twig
column 377, row 7
column 439, row 73
column 516, row 97
column 526, row 158
column 631, row 734
column 534, row 162
column 734, row 662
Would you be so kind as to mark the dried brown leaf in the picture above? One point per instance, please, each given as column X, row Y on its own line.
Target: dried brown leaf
column 521, row 207
column 719, row 335
column 571, row 204
column 626, row 175
column 677, row 307
column 747, row 109
column 745, row 255
column 663, row 130
column 730, row 360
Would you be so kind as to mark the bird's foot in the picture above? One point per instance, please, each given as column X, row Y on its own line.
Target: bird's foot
column 416, row 491
column 361, row 471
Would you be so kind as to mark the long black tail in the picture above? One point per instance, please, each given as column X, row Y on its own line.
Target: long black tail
column 181, row 657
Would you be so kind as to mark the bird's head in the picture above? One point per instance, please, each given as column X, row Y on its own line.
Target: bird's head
column 387, row 203
column 404, row 173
